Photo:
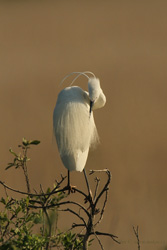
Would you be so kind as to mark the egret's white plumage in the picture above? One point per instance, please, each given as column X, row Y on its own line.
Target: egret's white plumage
column 73, row 122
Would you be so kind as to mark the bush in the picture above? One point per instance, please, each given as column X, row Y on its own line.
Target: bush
column 31, row 222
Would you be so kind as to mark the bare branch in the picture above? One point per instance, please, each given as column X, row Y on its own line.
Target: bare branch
column 105, row 186
column 136, row 232
column 92, row 171
column 73, row 212
column 77, row 225
column 80, row 192
column 60, row 204
column 99, row 241
column 96, row 188
column 12, row 189
column 54, row 191
column 114, row 237
column 103, row 208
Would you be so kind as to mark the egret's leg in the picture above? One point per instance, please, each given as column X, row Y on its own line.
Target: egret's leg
column 87, row 183
column 68, row 184
column 71, row 189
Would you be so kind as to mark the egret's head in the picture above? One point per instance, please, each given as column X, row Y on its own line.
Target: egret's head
column 94, row 88
column 96, row 95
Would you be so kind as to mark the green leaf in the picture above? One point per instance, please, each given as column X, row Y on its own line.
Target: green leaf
column 12, row 152
column 30, row 142
column 27, row 201
column 18, row 210
column 16, row 230
column 3, row 201
column 48, row 190
column 3, row 218
column 37, row 219
column 9, row 165
column 25, row 142
column 34, row 142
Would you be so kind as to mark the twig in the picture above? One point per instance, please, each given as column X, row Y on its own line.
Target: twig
column 73, row 212
column 24, row 167
column 60, row 204
column 12, row 189
column 107, row 234
column 31, row 194
column 103, row 208
column 92, row 171
column 80, row 192
column 136, row 232
column 99, row 241
column 74, row 225
column 6, row 192
column 106, row 185
column 96, row 188
column 6, row 227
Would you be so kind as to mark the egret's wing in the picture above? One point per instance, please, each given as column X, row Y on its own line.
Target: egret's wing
column 95, row 137
column 73, row 127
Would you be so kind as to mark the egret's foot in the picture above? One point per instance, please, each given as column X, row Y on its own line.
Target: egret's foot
column 71, row 189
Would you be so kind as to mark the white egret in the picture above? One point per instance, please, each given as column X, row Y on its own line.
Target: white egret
column 73, row 122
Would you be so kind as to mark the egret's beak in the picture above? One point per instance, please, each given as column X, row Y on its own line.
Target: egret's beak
column 91, row 106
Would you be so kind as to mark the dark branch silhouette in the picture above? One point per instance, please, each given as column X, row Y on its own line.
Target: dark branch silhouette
column 54, row 199
column 136, row 232
column 88, row 224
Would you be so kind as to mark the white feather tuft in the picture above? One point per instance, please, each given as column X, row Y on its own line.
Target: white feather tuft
column 78, row 75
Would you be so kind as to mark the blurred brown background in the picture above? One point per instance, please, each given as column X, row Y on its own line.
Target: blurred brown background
column 125, row 44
